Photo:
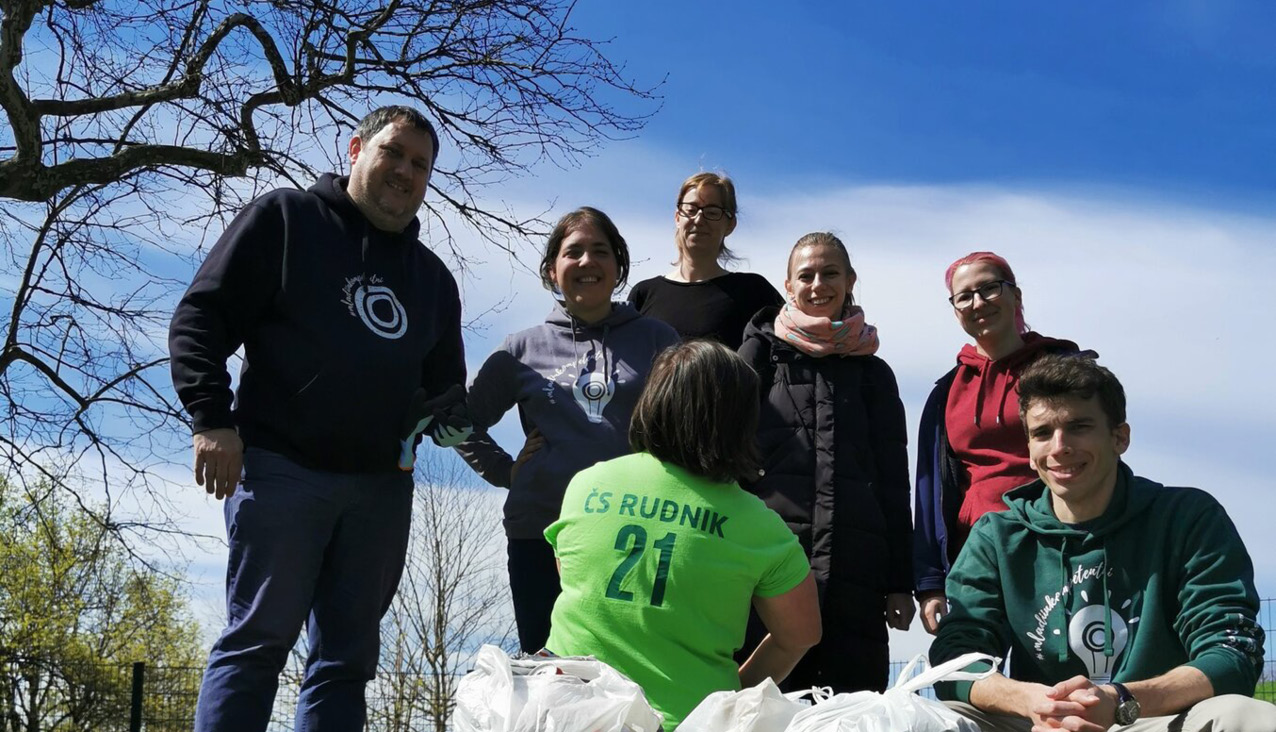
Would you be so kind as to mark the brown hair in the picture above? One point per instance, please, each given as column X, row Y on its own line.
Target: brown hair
column 571, row 222
column 727, row 189
column 699, row 411
column 1055, row 376
column 823, row 239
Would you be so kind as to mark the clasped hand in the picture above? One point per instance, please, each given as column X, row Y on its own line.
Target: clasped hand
column 1076, row 705
column 445, row 418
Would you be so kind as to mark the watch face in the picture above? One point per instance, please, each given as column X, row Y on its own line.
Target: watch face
column 1127, row 712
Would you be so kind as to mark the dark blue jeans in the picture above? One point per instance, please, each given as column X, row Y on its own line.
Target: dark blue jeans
column 310, row 547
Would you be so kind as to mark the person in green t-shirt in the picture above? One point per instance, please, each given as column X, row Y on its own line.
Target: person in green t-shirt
column 662, row 552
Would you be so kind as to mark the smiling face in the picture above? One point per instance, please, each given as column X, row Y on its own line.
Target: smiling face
column 819, row 281
column 697, row 237
column 986, row 320
column 1076, row 452
column 389, row 173
column 585, row 271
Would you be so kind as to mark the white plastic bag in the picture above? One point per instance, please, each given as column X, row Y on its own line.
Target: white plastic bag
column 900, row 709
column 549, row 695
column 762, row 708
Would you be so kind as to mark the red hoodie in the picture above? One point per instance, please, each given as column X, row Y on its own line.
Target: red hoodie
column 984, row 430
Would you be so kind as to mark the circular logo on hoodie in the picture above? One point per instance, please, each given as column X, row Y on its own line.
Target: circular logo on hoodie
column 380, row 310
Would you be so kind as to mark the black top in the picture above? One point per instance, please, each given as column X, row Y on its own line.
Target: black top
column 718, row 308
column 340, row 324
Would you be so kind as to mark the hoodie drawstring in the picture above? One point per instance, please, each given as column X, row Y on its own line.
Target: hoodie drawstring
column 367, row 243
column 575, row 352
column 1062, row 633
column 606, row 358
column 979, row 394
column 606, row 372
column 1108, row 651
column 1006, row 388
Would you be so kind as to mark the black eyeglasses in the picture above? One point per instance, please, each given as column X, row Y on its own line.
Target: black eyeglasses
column 711, row 213
column 965, row 299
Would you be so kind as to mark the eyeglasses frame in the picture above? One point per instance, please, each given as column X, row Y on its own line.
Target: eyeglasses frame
column 1001, row 289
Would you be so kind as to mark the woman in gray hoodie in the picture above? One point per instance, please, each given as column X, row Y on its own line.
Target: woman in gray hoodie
column 575, row 380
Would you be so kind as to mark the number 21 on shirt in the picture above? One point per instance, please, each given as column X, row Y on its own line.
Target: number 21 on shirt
column 639, row 535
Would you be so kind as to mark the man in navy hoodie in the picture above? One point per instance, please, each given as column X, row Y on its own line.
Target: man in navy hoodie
column 351, row 333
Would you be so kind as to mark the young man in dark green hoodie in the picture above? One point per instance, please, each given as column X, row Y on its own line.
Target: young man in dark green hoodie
column 1120, row 601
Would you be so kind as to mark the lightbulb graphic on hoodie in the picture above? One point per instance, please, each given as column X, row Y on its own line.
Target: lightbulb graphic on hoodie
column 593, row 389
column 1087, row 636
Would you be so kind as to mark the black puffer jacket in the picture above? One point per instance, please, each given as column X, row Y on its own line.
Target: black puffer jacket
column 834, row 449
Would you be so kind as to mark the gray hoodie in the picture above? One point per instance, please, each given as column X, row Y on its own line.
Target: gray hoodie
column 578, row 384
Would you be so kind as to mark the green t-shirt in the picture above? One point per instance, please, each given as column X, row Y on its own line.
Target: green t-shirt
column 659, row 567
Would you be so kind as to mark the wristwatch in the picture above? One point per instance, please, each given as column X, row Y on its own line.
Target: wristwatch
column 1127, row 709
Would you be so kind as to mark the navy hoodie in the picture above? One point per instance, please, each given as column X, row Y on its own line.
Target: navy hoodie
column 340, row 323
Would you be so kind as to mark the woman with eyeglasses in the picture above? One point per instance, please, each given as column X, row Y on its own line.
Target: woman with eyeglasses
column 700, row 298
column 834, row 447
column 971, row 445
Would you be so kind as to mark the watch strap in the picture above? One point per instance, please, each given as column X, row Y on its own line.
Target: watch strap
column 1127, row 710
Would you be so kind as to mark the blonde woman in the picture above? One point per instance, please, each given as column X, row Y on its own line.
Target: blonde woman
column 699, row 297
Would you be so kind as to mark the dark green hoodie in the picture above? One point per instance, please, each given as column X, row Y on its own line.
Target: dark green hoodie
column 1160, row 580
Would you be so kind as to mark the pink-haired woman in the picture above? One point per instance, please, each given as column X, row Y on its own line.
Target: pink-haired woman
column 971, row 445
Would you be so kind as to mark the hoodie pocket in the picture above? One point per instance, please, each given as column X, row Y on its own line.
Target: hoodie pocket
column 355, row 434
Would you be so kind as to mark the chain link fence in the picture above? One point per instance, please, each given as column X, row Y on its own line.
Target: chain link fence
column 1267, row 619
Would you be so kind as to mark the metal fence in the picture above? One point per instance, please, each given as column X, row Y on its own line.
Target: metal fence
column 132, row 698
column 1267, row 619
column 137, row 697
column 40, row 695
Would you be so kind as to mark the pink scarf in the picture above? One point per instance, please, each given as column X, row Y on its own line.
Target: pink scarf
column 820, row 336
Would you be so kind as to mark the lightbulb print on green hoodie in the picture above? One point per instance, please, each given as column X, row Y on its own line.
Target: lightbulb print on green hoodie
column 1160, row 580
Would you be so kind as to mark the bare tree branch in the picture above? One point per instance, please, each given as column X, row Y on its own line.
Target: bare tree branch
column 134, row 129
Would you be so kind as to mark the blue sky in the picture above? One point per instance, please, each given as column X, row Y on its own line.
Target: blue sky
column 1174, row 95
column 1122, row 156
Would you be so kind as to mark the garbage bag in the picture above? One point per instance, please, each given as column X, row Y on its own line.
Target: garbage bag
column 549, row 694
column 762, row 708
column 900, row 708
